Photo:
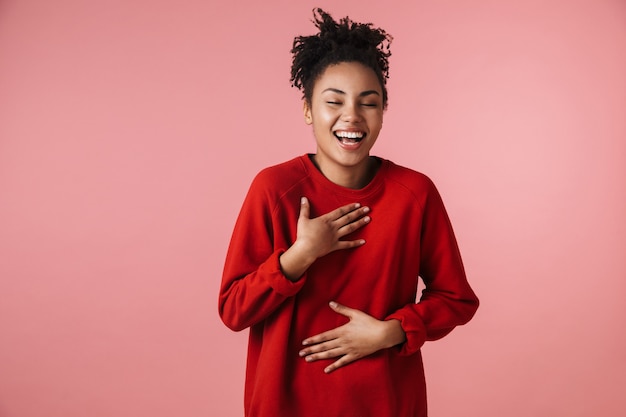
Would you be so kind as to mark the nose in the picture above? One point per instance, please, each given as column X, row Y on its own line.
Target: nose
column 351, row 112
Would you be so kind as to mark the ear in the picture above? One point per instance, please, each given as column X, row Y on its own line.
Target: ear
column 306, row 109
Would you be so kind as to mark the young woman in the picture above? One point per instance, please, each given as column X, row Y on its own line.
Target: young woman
column 325, row 256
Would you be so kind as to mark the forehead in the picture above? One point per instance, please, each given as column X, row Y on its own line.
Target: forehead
column 349, row 77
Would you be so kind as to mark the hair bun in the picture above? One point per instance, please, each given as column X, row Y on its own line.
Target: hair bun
column 335, row 42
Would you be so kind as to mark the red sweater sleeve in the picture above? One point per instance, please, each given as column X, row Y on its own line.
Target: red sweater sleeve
column 253, row 285
column 447, row 300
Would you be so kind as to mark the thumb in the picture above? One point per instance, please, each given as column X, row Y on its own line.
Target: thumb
column 341, row 309
column 305, row 208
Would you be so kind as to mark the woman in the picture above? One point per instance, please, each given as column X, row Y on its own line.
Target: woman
column 328, row 247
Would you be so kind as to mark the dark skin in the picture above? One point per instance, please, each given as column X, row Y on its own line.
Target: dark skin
column 357, row 109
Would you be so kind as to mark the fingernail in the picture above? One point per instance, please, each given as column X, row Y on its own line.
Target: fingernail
column 367, row 219
column 357, row 205
column 333, row 304
column 303, row 200
column 366, row 209
column 327, row 370
column 305, row 342
column 308, row 359
column 302, row 353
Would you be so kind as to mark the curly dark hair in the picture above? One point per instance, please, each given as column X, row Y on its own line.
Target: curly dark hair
column 336, row 42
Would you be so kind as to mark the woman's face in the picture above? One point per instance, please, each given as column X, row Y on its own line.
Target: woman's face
column 346, row 112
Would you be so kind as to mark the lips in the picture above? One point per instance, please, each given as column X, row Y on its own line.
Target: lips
column 349, row 138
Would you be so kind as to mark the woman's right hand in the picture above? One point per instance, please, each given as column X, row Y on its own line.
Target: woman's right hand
column 321, row 235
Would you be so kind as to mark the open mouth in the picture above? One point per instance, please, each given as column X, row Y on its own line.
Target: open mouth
column 349, row 138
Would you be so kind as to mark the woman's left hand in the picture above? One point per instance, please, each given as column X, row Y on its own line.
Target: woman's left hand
column 361, row 336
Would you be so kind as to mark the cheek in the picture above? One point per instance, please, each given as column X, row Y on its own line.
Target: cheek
column 377, row 123
column 324, row 118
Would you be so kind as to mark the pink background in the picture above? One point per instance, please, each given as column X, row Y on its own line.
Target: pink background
column 131, row 129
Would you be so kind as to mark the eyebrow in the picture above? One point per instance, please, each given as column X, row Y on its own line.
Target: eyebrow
column 363, row 94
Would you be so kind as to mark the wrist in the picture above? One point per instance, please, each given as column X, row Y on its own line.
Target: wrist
column 394, row 333
column 301, row 253
column 294, row 262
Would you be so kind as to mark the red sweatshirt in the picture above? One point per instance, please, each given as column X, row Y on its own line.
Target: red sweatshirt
column 409, row 236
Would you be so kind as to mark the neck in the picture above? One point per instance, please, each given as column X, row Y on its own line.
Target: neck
column 355, row 177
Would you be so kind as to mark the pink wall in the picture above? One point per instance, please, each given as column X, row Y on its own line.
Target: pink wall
column 130, row 130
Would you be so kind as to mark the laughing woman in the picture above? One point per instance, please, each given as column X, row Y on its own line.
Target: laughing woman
column 325, row 257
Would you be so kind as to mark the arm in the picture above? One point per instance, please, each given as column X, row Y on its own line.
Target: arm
column 320, row 236
column 361, row 336
column 252, row 283
column 446, row 302
column 258, row 276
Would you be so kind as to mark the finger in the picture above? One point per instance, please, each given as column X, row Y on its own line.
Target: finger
column 342, row 211
column 342, row 361
column 348, row 228
column 305, row 208
column 319, row 347
column 352, row 216
column 327, row 354
column 348, row 244
column 341, row 309
column 321, row 338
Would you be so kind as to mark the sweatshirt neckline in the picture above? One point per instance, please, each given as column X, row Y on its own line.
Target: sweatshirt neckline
column 370, row 188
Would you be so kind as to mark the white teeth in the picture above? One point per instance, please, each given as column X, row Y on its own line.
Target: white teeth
column 349, row 135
